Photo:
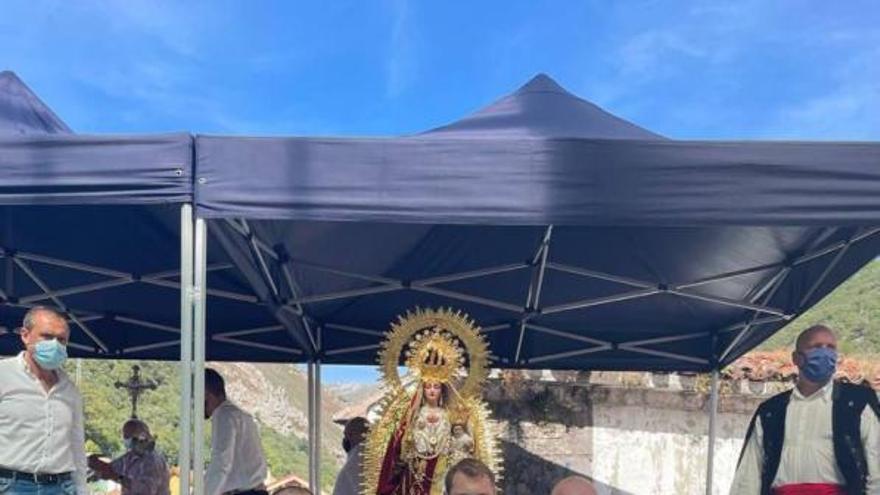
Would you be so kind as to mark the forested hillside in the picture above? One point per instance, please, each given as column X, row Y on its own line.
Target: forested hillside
column 853, row 310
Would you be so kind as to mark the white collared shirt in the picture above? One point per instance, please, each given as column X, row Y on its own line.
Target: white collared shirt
column 808, row 447
column 348, row 481
column 41, row 432
column 237, row 460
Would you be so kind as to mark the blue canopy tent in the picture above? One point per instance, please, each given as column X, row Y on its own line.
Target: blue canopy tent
column 576, row 239
column 110, row 257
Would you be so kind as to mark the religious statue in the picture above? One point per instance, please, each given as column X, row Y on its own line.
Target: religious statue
column 434, row 416
column 135, row 387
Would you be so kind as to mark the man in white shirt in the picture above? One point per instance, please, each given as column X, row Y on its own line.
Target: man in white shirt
column 42, row 440
column 238, row 466
column 821, row 438
column 349, row 479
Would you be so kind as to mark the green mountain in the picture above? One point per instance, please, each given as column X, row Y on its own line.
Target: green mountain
column 852, row 310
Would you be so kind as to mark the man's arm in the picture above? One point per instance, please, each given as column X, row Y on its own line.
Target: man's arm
column 78, row 446
column 870, row 427
column 747, row 480
column 222, row 449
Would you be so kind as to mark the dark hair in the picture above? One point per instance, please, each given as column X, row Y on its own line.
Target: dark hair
column 470, row 467
column 214, row 383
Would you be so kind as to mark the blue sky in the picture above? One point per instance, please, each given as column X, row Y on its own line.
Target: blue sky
column 744, row 69
column 751, row 69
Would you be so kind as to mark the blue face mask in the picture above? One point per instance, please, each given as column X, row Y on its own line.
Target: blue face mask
column 819, row 364
column 128, row 442
column 50, row 354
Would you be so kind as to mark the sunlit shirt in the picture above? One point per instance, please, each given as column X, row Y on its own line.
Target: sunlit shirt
column 237, row 461
column 349, row 480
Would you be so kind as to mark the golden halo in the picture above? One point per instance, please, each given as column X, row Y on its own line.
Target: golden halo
column 436, row 345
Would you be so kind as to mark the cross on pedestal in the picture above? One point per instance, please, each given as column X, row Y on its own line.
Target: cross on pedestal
column 135, row 387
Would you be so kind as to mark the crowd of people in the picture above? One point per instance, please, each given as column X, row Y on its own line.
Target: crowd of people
column 820, row 438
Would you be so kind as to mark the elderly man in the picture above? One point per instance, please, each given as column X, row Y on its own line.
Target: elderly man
column 141, row 470
column 821, row 438
column 349, row 479
column 238, row 465
column 42, row 441
column 470, row 477
column 573, row 485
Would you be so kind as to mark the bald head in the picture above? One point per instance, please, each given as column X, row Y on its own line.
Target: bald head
column 813, row 335
column 574, row 485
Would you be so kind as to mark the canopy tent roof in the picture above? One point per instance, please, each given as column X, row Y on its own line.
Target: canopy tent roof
column 576, row 239
column 91, row 224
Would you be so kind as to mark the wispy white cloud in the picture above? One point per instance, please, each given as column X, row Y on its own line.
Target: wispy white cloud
column 402, row 66
column 849, row 109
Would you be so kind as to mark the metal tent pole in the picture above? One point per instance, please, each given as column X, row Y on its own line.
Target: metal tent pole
column 200, row 277
column 186, row 306
column 713, row 425
column 314, row 388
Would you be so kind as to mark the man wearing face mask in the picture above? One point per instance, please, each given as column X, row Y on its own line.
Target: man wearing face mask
column 141, row 470
column 820, row 438
column 42, row 440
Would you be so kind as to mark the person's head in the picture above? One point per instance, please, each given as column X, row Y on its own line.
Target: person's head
column 136, row 435
column 215, row 391
column 354, row 433
column 470, row 477
column 573, row 485
column 45, row 334
column 433, row 393
column 815, row 354
column 292, row 490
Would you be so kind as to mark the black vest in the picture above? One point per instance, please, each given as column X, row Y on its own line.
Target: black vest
column 849, row 401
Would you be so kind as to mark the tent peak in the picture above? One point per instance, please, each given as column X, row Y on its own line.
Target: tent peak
column 23, row 112
column 542, row 108
column 542, row 83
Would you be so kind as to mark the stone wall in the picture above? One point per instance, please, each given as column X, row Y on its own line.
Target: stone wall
column 631, row 433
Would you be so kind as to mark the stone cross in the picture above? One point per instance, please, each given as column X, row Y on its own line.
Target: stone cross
column 135, row 387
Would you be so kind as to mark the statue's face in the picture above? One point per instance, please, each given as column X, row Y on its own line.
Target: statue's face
column 433, row 392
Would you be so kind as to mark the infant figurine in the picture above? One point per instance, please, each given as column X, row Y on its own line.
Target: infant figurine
column 462, row 443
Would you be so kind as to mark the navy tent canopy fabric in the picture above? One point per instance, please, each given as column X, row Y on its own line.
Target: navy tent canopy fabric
column 91, row 225
column 576, row 239
column 22, row 112
column 539, row 156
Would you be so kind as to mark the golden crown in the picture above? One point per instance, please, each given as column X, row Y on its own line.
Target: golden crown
column 435, row 356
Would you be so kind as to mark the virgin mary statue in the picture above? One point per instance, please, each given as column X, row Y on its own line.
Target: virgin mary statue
column 434, row 415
